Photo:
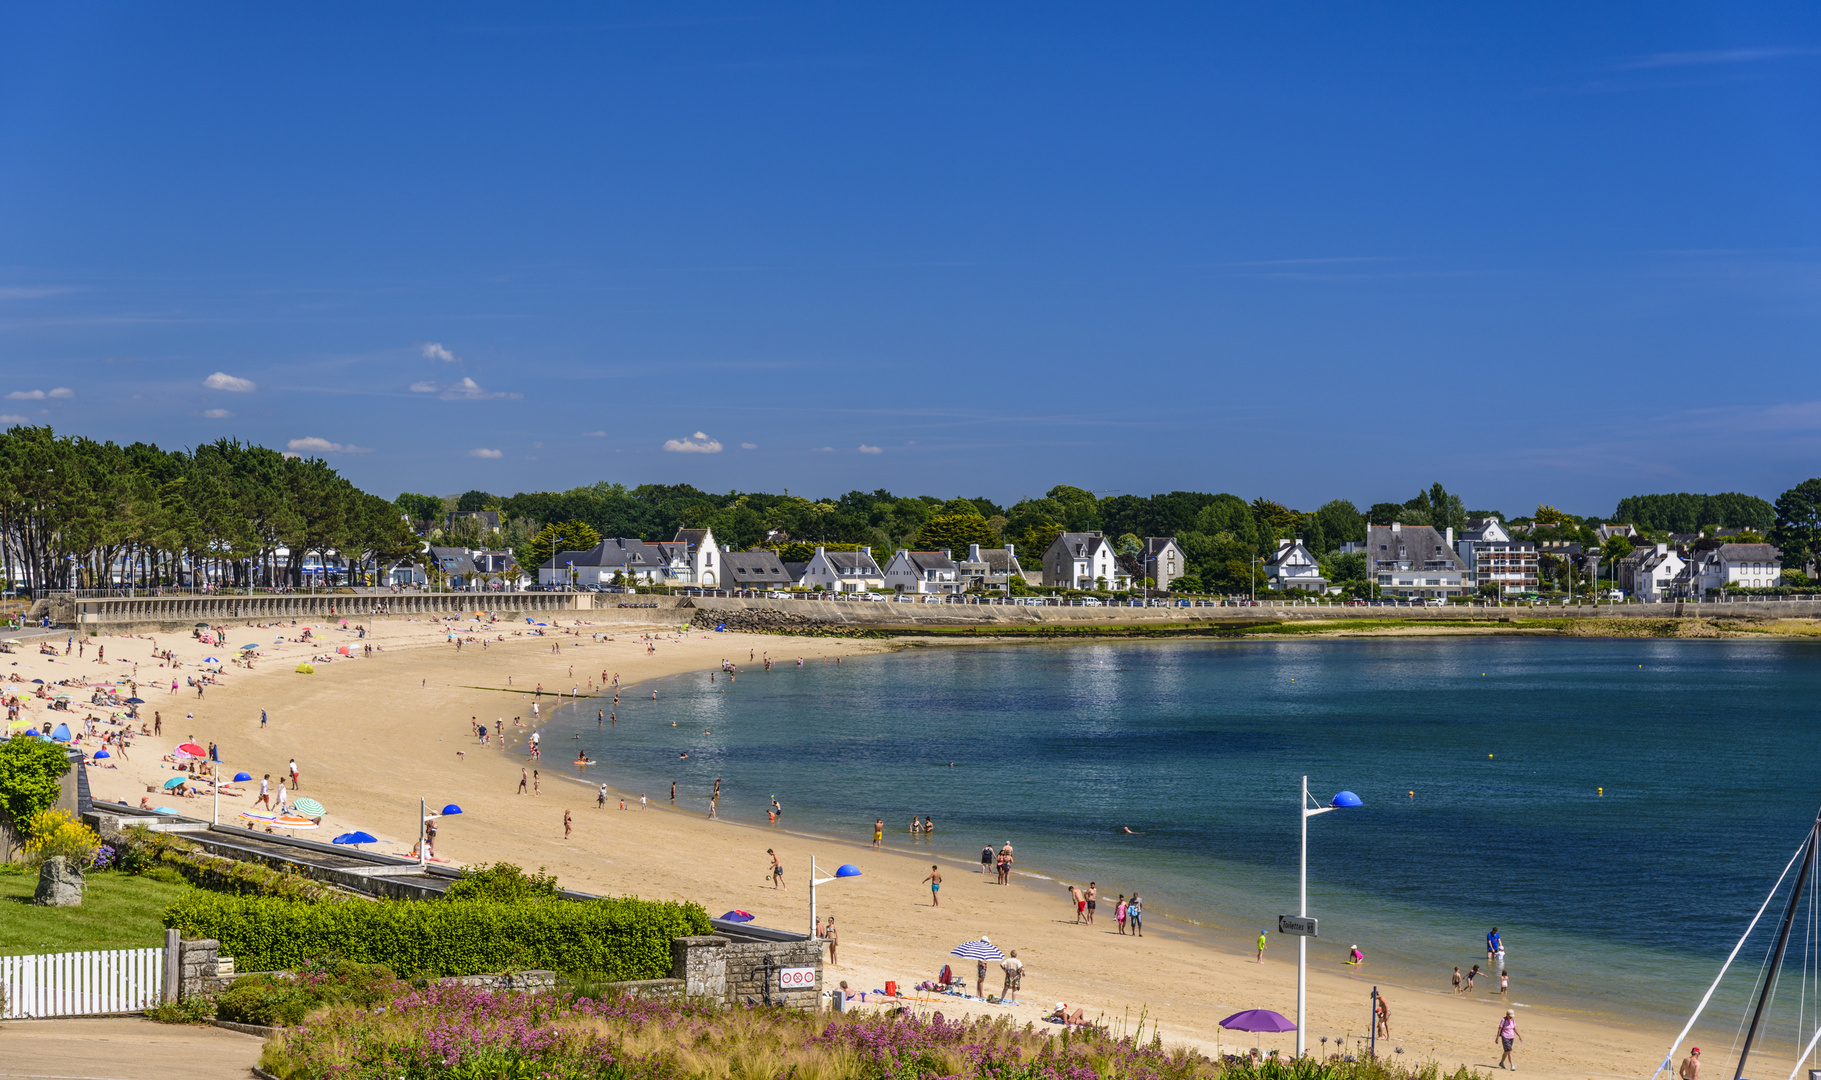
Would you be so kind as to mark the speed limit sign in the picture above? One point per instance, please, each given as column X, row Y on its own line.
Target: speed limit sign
column 796, row 978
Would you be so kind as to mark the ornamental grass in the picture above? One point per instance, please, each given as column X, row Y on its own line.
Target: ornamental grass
column 464, row 1033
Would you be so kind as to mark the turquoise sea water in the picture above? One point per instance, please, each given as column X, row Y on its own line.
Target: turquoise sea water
column 1619, row 904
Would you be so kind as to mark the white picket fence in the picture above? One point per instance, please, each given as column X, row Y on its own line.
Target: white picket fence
column 80, row 983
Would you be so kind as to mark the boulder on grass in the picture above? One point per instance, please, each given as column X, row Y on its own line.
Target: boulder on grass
column 59, row 883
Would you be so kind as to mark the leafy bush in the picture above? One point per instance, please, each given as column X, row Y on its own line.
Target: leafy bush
column 196, row 1010
column 502, row 882
column 284, row 1001
column 618, row 938
column 29, row 772
column 54, row 832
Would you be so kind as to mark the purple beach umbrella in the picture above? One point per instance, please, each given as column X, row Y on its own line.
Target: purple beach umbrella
column 1258, row 1020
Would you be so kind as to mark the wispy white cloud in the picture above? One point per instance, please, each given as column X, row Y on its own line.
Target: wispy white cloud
column 822, row 450
column 315, row 445
column 215, row 414
column 433, row 351
column 699, row 443
column 595, row 434
column 32, row 292
column 1707, row 57
column 11, row 419
column 221, row 380
column 482, row 452
column 62, row 392
column 865, row 449
column 40, row 395
column 749, row 446
column 465, row 390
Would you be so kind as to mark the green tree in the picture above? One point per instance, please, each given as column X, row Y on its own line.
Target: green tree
column 954, row 532
column 1401, row 513
column 29, row 773
column 1341, row 522
column 420, row 508
column 1798, row 527
column 477, row 500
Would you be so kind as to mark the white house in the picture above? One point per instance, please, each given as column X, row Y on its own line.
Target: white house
column 1417, row 561
column 923, row 572
column 636, row 561
column 1162, row 560
column 1083, row 560
column 1749, row 566
column 842, row 571
column 1292, row 566
column 990, row 569
column 701, row 560
column 1654, row 573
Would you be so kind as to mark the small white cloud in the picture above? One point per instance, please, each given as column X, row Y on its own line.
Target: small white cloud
column 317, row 445
column 221, row 380
column 865, row 449
column 595, row 434
column 9, row 419
column 433, row 351
column 749, row 446
column 821, row 449
column 484, row 453
column 469, row 390
column 215, row 414
column 62, row 392
column 288, row 454
column 26, row 395
column 425, row 387
column 699, row 443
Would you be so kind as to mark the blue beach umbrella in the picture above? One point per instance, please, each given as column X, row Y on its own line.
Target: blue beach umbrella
column 242, row 777
column 210, row 660
column 978, row 950
column 175, row 782
column 135, row 701
column 451, row 809
column 99, row 754
column 737, row 915
column 164, row 810
column 356, row 837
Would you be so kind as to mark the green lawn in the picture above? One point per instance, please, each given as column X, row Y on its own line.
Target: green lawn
column 119, row 911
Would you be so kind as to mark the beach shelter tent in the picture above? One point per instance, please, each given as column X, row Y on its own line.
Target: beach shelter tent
column 100, row 754
column 62, row 734
column 306, row 668
column 242, row 777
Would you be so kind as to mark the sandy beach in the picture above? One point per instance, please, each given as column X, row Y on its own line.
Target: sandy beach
column 371, row 735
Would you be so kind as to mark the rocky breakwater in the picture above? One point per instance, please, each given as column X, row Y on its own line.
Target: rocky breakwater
column 767, row 620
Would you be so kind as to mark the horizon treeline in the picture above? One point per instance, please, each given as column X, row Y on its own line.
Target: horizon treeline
column 75, row 512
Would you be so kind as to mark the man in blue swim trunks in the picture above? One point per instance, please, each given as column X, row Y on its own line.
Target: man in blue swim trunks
column 935, row 886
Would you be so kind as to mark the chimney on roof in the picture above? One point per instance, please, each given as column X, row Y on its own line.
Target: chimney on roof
column 819, row 551
column 1008, row 549
column 866, row 551
column 1397, row 526
column 1662, row 549
column 1450, row 535
column 973, row 553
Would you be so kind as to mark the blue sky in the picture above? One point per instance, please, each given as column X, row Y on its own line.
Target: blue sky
column 1541, row 253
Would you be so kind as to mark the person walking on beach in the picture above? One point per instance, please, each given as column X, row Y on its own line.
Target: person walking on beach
column 566, row 824
column 1507, row 1033
column 1134, row 914
column 1384, row 1017
column 980, row 978
column 600, row 798
column 878, row 833
column 673, row 793
column 986, row 859
column 1457, row 978
column 1005, row 864
column 935, row 886
column 1472, row 973
column 265, row 791
column 1093, row 893
column 1261, row 947
column 1504, row 983
column 1080, row 902
column 777, row 869
column 1691, row 1065
column 262, row 719
column 524, row 781
column 537, row 786
column 833, row 937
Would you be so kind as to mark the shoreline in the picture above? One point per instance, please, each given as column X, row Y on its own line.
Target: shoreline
column 369, row 744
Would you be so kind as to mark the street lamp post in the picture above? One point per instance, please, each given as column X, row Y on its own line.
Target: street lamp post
column 1341, row 801
column 845, row 870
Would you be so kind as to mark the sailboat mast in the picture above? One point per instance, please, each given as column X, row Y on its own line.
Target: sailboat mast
column 1776, row 961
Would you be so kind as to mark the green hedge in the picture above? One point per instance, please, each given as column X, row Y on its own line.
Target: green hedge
column 616, row 938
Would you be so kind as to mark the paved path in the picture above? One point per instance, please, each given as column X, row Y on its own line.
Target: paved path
column 123, row 1049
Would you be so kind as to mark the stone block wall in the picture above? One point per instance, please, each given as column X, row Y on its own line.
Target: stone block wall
column 736, row 971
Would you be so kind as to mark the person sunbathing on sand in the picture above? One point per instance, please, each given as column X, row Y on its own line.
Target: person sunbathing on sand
column 1061, row 1015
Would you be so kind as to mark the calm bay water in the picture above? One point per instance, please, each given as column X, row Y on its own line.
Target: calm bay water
column 1619, row 904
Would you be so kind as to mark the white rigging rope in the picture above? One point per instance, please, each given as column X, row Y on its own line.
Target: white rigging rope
column 1705, row 998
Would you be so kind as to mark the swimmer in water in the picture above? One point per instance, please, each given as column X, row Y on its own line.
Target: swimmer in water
column 1127, row 829
column 684, row 756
